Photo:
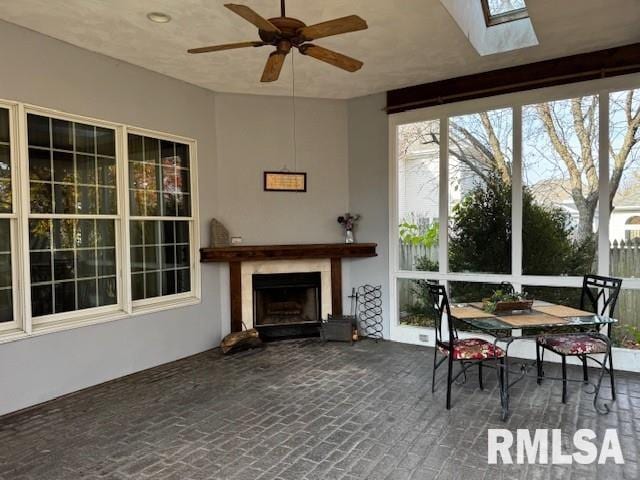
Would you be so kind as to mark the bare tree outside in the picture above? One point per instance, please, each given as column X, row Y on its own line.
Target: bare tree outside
column 561, row 143
column 624, row 142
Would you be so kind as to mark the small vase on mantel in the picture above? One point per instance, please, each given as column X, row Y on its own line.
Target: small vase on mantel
column 348, row 236
column 348, row 221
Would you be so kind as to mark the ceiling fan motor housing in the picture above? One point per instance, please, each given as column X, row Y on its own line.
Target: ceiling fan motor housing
column 288, row 27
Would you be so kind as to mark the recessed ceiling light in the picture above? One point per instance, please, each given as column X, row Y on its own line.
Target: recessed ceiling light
column 158, row 17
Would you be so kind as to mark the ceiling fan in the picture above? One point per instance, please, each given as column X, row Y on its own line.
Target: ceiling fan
column 285, row 32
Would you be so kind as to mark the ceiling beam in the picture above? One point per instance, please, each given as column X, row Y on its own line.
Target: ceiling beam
column 558, row 71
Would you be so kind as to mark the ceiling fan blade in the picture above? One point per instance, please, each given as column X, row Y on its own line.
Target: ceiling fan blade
column 273, row 67
column 251, row 16
column 329, row 56
column 352, row 23
column 227, row 46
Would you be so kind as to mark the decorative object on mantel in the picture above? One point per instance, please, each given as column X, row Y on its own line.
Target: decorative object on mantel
column 238, row 341
column 286, row 33
column 348, row 221
column 370, row 311
column 219, row 234
column 285, row 181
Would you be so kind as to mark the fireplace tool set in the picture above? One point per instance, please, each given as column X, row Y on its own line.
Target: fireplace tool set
column 365, row 317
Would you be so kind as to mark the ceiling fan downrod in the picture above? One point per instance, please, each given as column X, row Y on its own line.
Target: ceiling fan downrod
column 282, row 9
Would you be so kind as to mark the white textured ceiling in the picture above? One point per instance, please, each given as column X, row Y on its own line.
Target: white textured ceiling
column 408, row 41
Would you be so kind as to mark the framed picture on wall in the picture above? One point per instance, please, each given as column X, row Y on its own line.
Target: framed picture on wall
column 285, row 181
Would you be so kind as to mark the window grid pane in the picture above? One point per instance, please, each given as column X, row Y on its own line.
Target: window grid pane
column 6, row 300
column 73, row 264
column 419, row 195
column 560, row 165
column 480, row 165
column 160, row 258
column 72, row 167
column 159, row 177
column 6, row 203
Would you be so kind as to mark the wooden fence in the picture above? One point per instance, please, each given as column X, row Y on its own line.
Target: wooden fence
column 624, row 263
column 410, row 254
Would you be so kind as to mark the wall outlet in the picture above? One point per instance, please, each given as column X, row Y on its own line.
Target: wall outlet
column 423, row 338
column 236, row 240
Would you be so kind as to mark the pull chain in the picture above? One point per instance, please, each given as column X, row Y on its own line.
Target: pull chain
column 293, row 116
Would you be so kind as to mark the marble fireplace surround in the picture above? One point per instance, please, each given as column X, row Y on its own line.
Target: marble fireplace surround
column 247, row 260
column 248, row 269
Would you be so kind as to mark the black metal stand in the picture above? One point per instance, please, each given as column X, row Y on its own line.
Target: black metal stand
column 369, row 308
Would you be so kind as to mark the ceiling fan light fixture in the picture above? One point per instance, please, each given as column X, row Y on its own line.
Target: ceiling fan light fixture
column 158, row 17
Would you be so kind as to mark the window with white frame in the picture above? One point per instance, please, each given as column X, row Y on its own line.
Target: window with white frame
column 6, row 221
column 73, row 230
column 632, row 229
column 160, row 207
column 73, row 211
column 531, row 181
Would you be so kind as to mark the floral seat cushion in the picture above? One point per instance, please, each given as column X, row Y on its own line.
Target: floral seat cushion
column 573, row 344
column 472, row 349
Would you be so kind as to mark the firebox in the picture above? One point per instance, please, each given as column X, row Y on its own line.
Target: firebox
column 286, row 299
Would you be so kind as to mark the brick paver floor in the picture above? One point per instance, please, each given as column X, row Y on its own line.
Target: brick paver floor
column 302, row 410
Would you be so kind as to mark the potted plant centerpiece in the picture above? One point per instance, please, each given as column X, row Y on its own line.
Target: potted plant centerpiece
column 506, row 301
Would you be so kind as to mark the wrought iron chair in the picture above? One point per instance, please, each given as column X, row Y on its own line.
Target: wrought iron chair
column 468, row 351
column 599, row 294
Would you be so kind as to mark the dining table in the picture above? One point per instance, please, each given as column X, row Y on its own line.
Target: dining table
column 543, row 318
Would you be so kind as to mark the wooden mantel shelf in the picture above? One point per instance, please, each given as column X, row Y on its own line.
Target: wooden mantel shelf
column 244, row 253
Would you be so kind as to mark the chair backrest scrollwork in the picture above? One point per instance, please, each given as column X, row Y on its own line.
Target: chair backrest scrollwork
column 440, row 302
column 600, row 294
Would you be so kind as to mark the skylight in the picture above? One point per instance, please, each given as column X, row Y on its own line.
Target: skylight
column 503, row 35
column 501, row 11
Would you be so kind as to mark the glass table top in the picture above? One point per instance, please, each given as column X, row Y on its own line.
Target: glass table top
column 542, row 315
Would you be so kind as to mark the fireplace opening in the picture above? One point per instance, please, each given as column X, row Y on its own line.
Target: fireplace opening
column 285, row 299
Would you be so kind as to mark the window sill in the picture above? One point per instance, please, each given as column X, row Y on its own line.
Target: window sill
column 165, row 305
column 78, row 322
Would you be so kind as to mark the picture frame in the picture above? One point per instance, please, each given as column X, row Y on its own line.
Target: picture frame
column 285, row 181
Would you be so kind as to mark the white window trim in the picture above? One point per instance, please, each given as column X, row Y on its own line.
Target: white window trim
column 16, row 323
column 76, row 315
column 24, row 325
column 194, row 229
column 515, row 101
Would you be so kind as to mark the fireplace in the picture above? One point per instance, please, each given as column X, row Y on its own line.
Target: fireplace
column 286, row 304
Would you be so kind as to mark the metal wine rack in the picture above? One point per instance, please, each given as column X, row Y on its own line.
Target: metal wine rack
column 369, row 311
